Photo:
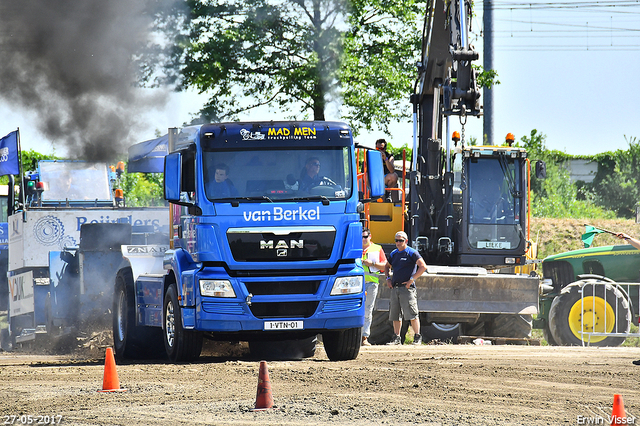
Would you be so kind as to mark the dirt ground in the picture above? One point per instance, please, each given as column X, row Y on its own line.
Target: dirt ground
column 395, row 385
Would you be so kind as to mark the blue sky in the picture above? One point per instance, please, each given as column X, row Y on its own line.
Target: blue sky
column 570, row 72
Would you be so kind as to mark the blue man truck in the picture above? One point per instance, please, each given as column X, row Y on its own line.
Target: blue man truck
column 265, row 245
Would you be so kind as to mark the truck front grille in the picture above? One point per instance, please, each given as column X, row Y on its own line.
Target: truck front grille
column 284, row 309
column 282, row 287
column 280, row 244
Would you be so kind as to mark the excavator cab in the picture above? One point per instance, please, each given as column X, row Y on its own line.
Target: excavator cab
column 494, row 193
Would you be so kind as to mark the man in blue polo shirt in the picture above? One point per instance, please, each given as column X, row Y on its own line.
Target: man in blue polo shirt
column 407, row 265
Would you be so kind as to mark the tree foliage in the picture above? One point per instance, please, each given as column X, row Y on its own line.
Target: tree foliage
column 301, row 56
column 247, row 54
column 142, row 189
column 556, row 196
column 380, row 53
column 29, row 163
column 617, row 183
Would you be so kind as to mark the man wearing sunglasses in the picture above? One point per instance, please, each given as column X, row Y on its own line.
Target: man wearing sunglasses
column 407, row 265
column 310, row 176
column 373, row 261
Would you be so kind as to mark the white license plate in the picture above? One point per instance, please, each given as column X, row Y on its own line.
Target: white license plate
column 494, row 244
column 283, row 325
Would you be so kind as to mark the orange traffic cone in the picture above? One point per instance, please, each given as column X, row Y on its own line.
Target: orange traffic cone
column 264, row 399
column 618, row 415
column 110, row 382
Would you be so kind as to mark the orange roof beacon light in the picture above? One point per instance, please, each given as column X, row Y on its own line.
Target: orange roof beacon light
column 510, row 139
column 112, row 168
column 456, row 136
column 119, row 196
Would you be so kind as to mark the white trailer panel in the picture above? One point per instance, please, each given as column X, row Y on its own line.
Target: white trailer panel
column 34, row 233
column 21, row 300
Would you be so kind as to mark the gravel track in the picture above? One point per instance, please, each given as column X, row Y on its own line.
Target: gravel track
column 429, row 384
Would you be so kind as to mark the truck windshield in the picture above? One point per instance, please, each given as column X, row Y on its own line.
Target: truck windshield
column 75, row 181
column 494, row 201
column 278, row 174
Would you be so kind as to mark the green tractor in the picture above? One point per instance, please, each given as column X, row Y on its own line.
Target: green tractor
column 590, row 296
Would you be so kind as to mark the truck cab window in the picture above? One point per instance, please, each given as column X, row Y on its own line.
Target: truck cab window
column 278, row 174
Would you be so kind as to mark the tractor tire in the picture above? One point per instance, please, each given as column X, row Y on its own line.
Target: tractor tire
column 546, row 333
column 381, row 328
column 284, row 350
column 342, row 345
column 129, row 340
column 180, row 344
column 569, row 315
column 511, row 326
column 477, row 328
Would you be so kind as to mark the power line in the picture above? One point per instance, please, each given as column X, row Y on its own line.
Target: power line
column 591, row 22
column 565, row 24
column 562, row 5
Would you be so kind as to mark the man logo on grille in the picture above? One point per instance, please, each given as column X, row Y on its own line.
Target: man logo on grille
column 282, row 244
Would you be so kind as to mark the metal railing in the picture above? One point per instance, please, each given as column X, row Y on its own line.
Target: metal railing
column 596, row 315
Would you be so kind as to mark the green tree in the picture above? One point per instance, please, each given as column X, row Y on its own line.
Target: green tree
column 142, row 189
column 617, row 183
column 556, row 196
column 380, row 52
column 298, row 56
column 29, row 161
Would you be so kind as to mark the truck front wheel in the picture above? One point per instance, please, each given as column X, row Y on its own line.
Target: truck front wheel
column 588, row 307
column 181, row 345
column 342, row 345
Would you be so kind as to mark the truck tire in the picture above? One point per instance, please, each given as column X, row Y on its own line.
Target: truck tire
column 181, row 345
column 381, row 328
column 284, row 350
column 567, row 309
column 511, row 326
column 342, row 345
column 131, row 341
column 440, row 332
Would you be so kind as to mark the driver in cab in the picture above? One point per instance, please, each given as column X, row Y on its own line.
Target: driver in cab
column 490, row 204
column 310, row 175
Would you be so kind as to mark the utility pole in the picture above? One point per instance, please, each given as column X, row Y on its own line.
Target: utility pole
column 487, row 118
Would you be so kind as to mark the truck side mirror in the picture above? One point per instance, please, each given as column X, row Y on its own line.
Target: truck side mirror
column 172, row 176
column 375, row 173
column 541, row 169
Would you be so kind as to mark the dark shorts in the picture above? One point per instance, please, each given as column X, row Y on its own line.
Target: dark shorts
column 403, row 301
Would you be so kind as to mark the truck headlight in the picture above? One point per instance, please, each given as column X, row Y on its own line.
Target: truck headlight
column 217, row 288
column 347, row 285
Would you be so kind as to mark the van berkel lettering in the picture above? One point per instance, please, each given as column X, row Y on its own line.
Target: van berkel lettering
column 281, row 214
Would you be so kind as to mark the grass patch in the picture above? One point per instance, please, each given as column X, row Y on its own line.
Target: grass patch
column 633, row 342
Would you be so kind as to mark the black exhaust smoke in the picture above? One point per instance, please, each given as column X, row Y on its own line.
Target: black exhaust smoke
column 73, row 62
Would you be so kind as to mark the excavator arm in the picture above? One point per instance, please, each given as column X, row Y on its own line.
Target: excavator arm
column 446, row 86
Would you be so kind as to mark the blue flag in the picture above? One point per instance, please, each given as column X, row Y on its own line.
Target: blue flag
column 9, row 164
